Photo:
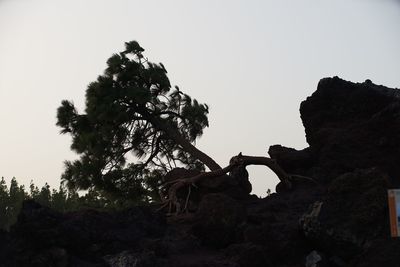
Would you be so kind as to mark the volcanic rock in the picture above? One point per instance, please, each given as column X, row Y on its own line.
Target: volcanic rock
column 47, row 237
column 339, row 220
column 218, row 219
column 352, row 126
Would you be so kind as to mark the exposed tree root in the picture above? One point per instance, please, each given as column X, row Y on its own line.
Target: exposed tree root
column 239, row 160
column 177, row 184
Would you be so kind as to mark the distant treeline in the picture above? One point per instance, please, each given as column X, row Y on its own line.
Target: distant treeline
column 62, row 200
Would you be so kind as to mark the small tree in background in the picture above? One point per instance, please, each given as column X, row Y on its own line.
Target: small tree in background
column 131, row 108
column 44, row 196
column 16, row 195
column 4, row 200
column 59, row 198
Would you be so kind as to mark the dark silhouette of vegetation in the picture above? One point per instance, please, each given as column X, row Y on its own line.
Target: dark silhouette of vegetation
column 132, row 110
column 62, row 200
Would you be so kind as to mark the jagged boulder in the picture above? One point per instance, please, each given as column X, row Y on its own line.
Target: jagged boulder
column 235, row 185
column 291, row 160
column 353, row 212
column 272, row 223
column 352, row 125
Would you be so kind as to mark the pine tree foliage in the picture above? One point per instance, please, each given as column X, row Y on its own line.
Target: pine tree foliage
column 134, row 128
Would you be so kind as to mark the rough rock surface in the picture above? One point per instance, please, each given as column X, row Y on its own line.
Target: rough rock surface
column 353, row 133
column 43, row 237
column 350, row 126
column 218, row 219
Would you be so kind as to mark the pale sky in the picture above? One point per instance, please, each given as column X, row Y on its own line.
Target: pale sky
column 252, row 61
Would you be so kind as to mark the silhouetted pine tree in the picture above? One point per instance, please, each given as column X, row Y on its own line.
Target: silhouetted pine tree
column 4, row 200
column 131, row 108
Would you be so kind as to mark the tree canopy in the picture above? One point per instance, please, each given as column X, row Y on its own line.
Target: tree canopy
column 134, row 128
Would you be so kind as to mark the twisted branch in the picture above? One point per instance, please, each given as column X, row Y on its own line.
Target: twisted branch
column 239, row 160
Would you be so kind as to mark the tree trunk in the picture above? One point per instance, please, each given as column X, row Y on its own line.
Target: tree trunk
column 194, row 151
column 183, row 142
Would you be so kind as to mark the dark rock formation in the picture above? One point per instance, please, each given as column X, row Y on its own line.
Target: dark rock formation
column 350, row 213
column 352, row 125
column 218, row 219
column 43, row 237
column 353, row 132
column 235, row 185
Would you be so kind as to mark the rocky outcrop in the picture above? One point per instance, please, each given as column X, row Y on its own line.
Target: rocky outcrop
column 43, row 237
column 350, row 214
column 353, row 133
column 352, row 126
column 352, row 130
column 218, row 220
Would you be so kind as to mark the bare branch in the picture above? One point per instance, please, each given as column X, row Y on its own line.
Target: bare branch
column 236, row 161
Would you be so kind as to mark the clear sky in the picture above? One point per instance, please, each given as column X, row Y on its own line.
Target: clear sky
column 252, row 61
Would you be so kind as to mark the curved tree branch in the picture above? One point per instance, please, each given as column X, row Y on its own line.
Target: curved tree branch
column 239, row 160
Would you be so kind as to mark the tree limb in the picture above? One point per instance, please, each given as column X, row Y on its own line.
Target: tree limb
column 239, row 160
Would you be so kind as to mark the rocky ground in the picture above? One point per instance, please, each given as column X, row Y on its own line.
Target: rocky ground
column 353, row 134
